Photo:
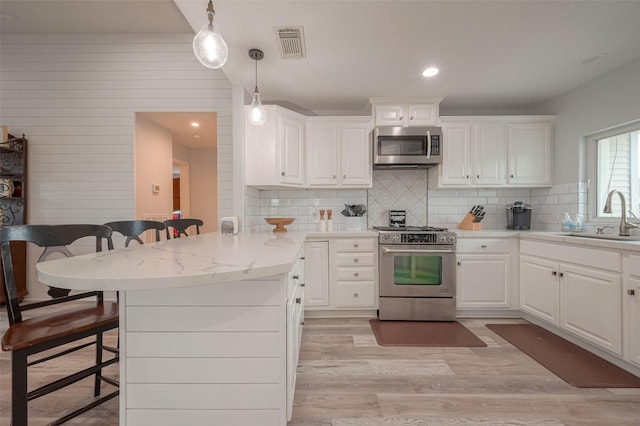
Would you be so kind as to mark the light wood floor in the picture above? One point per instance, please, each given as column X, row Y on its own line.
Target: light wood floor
column 346, row 379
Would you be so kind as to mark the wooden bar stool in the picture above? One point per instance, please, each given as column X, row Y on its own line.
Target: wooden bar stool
column 181, row 226
column 44, row 330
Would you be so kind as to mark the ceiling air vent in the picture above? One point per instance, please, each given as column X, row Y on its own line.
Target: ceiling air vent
column 291, row 42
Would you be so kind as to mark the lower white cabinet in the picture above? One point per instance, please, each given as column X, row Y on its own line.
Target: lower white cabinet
column 578, row 289
column 483, row 278
column 295, row 322
column 316, row 266
column 631, row 298
column 341, row 274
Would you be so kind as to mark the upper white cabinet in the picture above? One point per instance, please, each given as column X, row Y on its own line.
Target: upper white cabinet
column 339, row 152
column 275, row 150
column 396, row 112
column 529, row 150
column 495, row 152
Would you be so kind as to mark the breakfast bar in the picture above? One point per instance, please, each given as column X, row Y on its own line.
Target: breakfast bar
column 210, row 325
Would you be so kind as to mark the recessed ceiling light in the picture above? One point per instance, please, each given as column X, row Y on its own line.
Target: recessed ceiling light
column 430, row 72
column 594, row 59
column 195, row 124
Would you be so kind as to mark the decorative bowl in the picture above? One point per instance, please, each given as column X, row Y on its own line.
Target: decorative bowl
column 279, row 222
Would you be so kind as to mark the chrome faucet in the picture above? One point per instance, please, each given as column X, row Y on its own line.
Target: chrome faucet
column 625, row 225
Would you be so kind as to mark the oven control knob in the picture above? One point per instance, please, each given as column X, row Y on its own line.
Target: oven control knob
column 395, row 238
column 452, row 238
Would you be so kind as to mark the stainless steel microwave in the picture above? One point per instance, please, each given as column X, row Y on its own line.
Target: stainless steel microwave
column 407, row 147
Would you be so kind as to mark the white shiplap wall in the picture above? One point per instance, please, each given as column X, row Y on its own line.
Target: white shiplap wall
column 75, row 98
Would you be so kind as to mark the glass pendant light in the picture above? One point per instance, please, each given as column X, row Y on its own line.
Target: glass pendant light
column 257, row 114
column 208, row 45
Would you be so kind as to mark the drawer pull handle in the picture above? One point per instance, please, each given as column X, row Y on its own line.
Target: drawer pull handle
column 554, row 273
column 355, row 246
column 355, row 274
column 561, row 274
column 355, row 294
column 302, row 258
column 298, row 300
column 484, row 246
column 295, row 277
column 301, row 284
column 302, row 323
column 631, row 292
column 355, row 260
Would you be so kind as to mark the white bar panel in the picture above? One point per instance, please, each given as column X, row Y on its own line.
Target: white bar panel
column 205, row 370
column 193, row 345
column 242, row 293
column 204, row 417
column 206, row 396
column 204, row 318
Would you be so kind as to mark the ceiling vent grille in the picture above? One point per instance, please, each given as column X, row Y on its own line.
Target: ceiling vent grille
column 291, row 42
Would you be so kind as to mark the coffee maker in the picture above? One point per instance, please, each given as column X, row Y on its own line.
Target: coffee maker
column 518, row 216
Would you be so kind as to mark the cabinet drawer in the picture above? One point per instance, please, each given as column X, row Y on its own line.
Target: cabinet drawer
column 634, row 265
column 358, row 294
column 483, row 245
column 355, row 259
column 364, row 244
column 356, row 274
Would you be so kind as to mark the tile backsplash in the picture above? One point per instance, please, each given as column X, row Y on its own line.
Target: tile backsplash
column 408, row 190
column 302, row 204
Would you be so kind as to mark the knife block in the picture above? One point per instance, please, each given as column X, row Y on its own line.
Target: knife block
column 468, row 223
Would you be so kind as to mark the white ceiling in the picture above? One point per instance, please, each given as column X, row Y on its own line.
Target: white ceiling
column 494, row 56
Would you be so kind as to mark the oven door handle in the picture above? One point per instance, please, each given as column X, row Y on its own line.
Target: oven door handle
column 388, row 250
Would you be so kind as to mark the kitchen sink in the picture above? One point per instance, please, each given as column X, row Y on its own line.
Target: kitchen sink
column 611, row 237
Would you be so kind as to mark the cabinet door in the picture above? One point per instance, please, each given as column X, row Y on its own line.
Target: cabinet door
column 292, row 159
column 489, row 154
column 322, row 153
column 389, row 115
column 483, row 281
column 355, row 156
column 591, row 305
column 455, row 168
column 422, row 115
column 316, row 267
column 632, row 306
column 529, row 150
column 539, row 288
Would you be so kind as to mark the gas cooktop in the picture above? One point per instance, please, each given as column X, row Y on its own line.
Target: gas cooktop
column 410, row 228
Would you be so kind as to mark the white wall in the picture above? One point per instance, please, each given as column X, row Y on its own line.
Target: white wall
column 204, row 201
column 75, row 97
column 607, row 101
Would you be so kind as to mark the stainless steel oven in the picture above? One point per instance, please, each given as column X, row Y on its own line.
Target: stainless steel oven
column 417, row 268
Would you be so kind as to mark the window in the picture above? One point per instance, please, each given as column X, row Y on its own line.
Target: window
column 614, row 164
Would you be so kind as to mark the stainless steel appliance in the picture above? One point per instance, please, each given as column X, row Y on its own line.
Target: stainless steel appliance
column 417, row 274
column 407, row 147
column 518, row 216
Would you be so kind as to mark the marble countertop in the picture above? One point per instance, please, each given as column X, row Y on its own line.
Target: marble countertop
column 566, row 237
column 196, row 260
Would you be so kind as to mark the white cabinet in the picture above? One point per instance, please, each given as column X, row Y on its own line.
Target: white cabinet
column 352, row 273
column 632, row 309
column 539, row 288
column 406, row 112
column 529, row 150
column 274, row 151
column 576, row 288
column 295, row 322
column 316, row 266
column 495, row 152
column 353, row 267
column 483, row 278
column 339, row 152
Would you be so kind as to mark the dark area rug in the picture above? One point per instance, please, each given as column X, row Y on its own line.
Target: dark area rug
column 570, row 362
column 424, row 333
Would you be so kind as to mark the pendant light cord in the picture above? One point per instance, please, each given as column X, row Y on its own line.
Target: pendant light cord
column 256, row 89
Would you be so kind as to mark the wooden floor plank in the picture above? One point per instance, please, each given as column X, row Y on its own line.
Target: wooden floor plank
column 346, row 379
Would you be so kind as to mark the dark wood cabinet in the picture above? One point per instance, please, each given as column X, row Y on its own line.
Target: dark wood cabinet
column 13, row 196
